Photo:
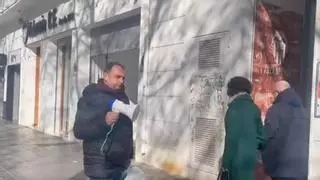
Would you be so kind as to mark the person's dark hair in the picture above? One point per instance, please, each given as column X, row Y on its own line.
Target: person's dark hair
column 110, row 65
column 237, row 85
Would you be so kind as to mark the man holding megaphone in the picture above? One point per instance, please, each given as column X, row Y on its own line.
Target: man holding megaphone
column 104, row 123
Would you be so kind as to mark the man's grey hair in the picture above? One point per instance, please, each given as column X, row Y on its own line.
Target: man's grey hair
column 282, row 85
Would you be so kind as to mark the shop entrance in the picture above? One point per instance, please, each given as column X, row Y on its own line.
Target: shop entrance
column 63, row 76
column 13, row 93
column 280, row 43
column 283, row 50
column 117, row 42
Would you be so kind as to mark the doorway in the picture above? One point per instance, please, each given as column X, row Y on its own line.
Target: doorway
column 117, row 42
column 37, row 88
column 283, row 49
column 61, row 124
column 278, row 49
column 13, row 93
column 3, row 63
column 130, row 60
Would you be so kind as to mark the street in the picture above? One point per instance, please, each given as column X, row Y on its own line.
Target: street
column 26, row 154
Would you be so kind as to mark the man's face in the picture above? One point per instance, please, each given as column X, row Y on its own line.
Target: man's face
column 115, row 77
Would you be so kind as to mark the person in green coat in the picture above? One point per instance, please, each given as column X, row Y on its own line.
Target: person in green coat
column 244, row 132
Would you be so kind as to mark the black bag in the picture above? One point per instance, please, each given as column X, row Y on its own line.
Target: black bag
column 223, row 174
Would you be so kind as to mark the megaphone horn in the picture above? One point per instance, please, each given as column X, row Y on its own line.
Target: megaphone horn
column 130, row 110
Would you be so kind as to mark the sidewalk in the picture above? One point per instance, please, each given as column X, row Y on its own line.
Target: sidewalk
column 26, row 154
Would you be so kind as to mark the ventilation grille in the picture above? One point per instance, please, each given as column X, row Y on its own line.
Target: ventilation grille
column 210, row 53
column 205, row 142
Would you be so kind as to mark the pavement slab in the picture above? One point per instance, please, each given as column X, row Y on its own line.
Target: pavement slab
column 27, row 154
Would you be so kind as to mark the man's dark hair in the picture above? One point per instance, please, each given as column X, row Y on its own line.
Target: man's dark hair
column 237, row 85
column 110, row 65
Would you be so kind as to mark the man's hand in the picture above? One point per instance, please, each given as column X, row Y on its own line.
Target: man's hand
column 111, row 118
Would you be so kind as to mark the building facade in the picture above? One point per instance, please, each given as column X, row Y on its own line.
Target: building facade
column 179, row 56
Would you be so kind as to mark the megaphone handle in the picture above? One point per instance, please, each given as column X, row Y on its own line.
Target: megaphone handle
column 106, row 138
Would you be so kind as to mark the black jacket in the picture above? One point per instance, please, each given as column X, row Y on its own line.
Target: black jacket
column 90, row 126
column 287, row 126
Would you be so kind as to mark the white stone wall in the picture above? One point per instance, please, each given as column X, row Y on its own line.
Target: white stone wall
column 27, row 85
column 107, row 9
column 95, row 12
column 48, row 91
column 80, row 70
column 170, row 31
column 14, row 40
column 314, row 155
column 84, row 12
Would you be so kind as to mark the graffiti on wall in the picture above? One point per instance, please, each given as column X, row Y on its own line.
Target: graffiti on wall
column 206, row 92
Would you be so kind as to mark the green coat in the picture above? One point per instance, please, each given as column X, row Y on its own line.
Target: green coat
column 244, row 137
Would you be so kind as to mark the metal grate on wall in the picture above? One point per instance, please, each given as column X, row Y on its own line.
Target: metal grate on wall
column 210, row 52
column 205, row 140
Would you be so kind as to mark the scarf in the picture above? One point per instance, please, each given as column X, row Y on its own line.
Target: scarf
column 232, row 98
column 118, row 94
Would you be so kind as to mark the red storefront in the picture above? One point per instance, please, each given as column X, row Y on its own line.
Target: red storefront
column 278, row 49
column 283, row 49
